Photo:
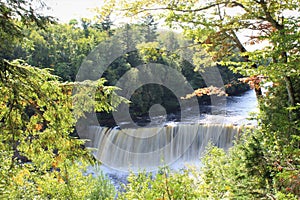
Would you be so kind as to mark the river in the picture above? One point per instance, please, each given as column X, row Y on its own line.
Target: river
column 237, row 112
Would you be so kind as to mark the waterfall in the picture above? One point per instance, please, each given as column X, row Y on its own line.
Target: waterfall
column 146, row 148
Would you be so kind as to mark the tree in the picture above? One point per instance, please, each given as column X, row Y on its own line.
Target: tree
column 217, row 27
column 39, row 158
column 149, row 28
column 104, row 25
column 12, row 13
column 43, row 47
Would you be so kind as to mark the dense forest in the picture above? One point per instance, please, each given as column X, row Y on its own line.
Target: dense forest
column 44, row 48
column 45, row 92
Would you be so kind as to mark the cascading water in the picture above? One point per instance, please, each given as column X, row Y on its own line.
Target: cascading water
column 149, row 148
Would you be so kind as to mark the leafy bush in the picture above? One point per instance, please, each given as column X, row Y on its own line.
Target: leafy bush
column 163, row 185
column 102, row 189
column 39, row 159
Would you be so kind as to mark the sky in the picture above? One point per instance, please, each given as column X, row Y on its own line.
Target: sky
column 65, row 10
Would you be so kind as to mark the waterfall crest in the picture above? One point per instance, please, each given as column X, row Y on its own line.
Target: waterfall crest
column 148, row 148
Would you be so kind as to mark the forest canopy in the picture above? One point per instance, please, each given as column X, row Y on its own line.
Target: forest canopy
column 42, row 156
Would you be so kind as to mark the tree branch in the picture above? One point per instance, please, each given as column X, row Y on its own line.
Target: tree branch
column 170, row 8
column 237, row 41
column 269, row 18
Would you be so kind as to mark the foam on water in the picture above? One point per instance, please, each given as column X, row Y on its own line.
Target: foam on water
column 177, row 145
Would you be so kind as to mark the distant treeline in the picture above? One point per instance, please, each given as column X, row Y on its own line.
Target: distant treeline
column 63, row 48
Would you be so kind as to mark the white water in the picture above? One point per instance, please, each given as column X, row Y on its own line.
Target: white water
column 236, row 111
column 149, row 148
column 176, row 145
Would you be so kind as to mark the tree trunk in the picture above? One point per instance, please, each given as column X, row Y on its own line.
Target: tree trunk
column 290, row 90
